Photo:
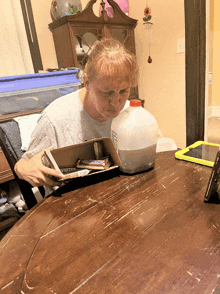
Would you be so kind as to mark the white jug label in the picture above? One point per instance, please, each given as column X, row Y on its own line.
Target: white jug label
column 115, row 140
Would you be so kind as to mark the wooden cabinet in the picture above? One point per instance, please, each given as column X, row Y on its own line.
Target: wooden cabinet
column 75, row 34
column 5, row 171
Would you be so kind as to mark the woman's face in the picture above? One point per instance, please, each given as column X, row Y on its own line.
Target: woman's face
column 107, row 97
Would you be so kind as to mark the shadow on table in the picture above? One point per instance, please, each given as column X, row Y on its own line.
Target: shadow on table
column 91, row 179
column 86, row 181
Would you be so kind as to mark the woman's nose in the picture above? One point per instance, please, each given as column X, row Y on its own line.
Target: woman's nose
column 115, row 100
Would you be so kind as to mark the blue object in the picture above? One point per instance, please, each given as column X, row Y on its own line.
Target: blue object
column 25, row 92
column 38, row 80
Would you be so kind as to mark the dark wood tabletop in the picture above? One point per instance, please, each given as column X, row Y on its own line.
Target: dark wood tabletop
column 144, row 233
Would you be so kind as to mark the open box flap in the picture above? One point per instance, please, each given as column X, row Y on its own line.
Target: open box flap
column 68, row 156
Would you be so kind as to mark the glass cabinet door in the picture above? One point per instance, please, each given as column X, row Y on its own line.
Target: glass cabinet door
column 84, row 40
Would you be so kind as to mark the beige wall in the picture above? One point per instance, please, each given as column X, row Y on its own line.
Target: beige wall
column 41, row 11
column 216, row 56
column 162, row 83
column 210, row 46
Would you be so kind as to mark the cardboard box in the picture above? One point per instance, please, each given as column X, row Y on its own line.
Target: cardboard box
column 67, row 157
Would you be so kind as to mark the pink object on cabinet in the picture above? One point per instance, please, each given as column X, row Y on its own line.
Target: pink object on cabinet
column 123, row 4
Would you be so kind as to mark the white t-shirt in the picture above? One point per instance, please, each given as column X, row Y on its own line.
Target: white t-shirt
column 65, row 122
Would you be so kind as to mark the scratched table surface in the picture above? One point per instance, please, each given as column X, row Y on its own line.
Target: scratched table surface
column 144, row 233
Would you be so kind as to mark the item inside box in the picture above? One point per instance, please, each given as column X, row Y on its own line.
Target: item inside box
column 100, row 160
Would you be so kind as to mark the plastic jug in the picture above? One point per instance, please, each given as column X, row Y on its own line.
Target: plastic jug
column 134, row 134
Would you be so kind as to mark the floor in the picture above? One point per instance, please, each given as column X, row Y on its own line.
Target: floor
column 9, row 191
column 214, row 130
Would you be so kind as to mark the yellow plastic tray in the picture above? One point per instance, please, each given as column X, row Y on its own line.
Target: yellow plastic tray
column 181, row 154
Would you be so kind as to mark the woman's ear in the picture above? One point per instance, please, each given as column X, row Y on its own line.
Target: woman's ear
column 86, row 81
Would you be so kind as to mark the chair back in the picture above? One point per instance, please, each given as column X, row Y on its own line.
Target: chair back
column 10, row 142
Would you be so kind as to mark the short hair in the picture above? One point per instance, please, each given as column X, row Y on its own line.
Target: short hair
column 109, row 58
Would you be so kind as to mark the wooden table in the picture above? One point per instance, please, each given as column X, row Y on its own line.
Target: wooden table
column 147, row 233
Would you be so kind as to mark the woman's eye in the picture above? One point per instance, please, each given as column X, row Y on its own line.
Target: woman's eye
column 123, row 92
column 107, row 94
column 111, row 93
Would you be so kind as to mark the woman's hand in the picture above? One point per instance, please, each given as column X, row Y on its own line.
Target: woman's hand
column 34, row 172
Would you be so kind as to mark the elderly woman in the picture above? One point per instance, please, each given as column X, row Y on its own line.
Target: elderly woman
column 109, row 74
